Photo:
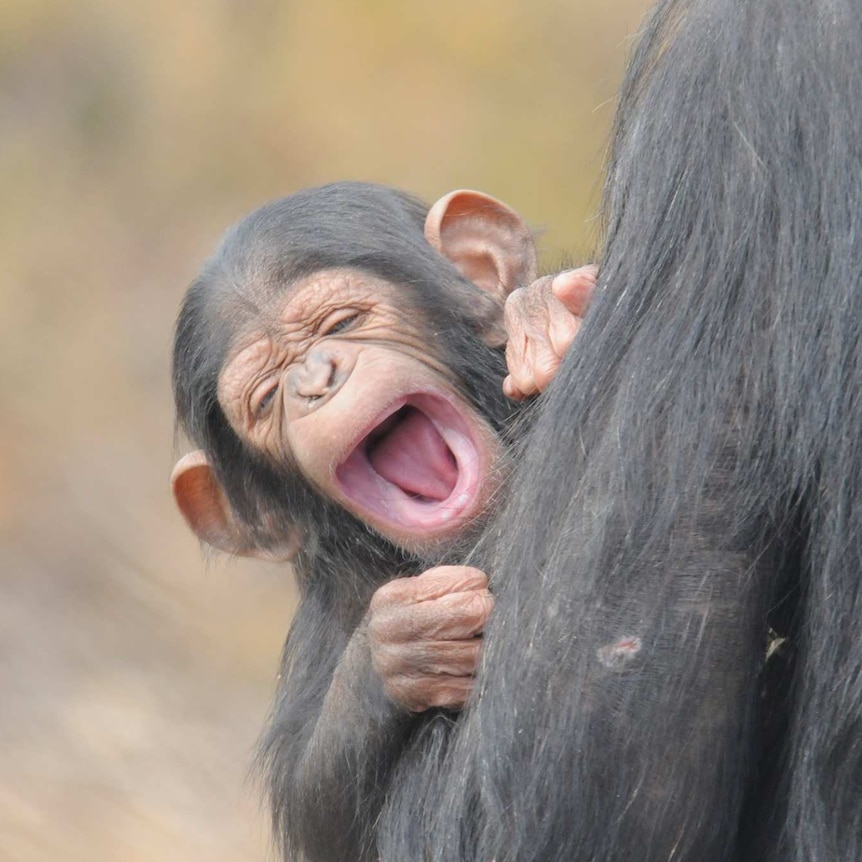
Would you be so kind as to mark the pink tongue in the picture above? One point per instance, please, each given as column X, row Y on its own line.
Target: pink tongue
column 414, row 457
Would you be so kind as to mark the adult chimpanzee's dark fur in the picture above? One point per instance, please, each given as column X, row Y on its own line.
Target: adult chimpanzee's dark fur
column 327, row 775
column 694, row 480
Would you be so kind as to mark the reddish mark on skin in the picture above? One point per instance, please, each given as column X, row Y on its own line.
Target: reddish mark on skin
column 616, row 656
column 631, row 644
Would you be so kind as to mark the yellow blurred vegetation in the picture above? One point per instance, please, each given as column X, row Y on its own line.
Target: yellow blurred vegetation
column 135, row 679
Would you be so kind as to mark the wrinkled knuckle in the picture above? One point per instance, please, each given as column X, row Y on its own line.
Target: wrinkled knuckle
column 474, row 656
column 414, row 695
column 515, row 298
column 378, row 623
column 383, row 596
column 430, row 667
column 452, row 573
column 385, row 661
column 478, row 578
column 426, row 661
column 540, row 286
column 465, row 660
column 376, row 631
column 399, row 691
column 514, row 326
column 545, row 294
column 478, row 609
column 468, row 577
column 385, row 629
column 450, row 696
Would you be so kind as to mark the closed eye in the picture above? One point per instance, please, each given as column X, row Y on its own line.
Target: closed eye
column 265, row 403
column 340, row 325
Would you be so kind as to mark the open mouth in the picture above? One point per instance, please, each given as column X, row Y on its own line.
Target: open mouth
column 418, row 467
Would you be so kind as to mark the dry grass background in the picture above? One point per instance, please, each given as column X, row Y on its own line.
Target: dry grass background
column 134, row 678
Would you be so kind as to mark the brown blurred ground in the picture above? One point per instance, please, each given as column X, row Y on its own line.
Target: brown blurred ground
column 133, row 679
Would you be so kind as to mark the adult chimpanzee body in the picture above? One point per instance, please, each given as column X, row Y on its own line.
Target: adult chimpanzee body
column 340, row 363
column 693, row 480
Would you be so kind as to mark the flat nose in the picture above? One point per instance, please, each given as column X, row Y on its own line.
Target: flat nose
column 317, row 378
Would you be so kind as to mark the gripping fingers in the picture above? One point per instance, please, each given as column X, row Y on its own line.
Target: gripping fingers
column 533, row 357
column 430, row 585
column 520, row 383
column 542, row 320
column 574, row 287
column 429, row 660
column 562, row 330
column 421, row 694
column 451, row 617
column 544, row 362
column 422, row 633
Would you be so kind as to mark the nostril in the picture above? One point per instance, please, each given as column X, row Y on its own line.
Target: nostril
column 315, row 377
column 310, row 390
column 331, row 381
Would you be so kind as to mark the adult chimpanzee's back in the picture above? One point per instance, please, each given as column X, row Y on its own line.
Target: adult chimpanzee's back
column 674, row 667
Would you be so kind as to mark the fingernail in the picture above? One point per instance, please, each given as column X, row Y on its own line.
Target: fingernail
column 563, row 279
column 580, row 273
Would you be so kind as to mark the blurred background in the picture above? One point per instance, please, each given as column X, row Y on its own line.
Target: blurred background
column 134, row 678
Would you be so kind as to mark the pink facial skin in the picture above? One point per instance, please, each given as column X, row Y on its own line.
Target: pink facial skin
column 346, row 388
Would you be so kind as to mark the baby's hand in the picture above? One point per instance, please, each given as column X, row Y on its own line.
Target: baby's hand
column 423, row 634
column 542, row 321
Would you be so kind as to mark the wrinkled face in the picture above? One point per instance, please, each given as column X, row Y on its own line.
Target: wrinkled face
column 345, row 386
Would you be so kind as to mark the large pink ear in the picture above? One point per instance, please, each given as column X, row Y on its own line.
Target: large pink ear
column 487, row 241
column 206, row 510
